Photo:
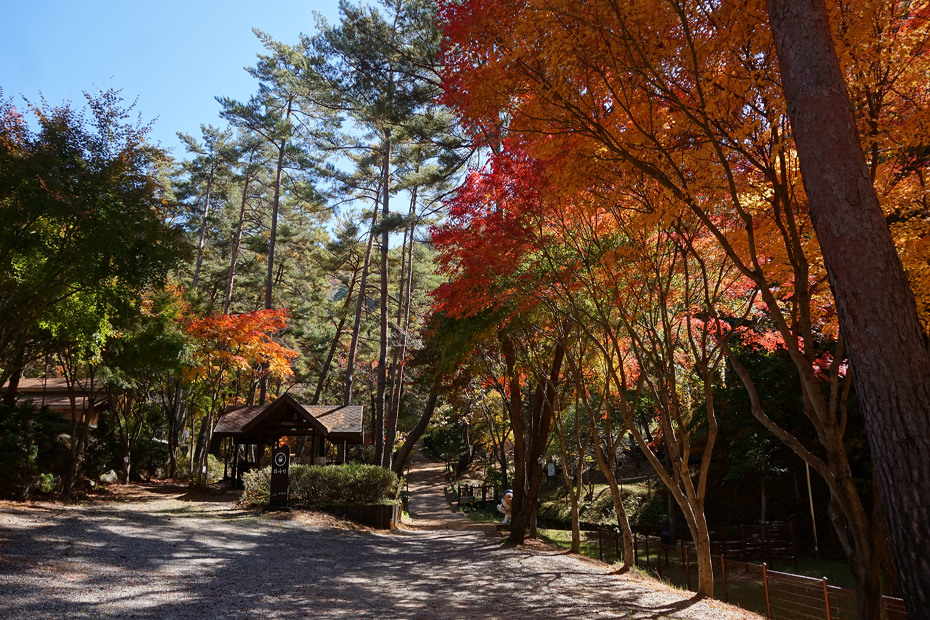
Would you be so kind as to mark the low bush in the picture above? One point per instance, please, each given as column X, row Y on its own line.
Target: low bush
column 319, row 485
column 29, row 449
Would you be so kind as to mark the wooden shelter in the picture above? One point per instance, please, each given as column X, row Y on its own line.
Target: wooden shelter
column 285, row 417
column 55, row 393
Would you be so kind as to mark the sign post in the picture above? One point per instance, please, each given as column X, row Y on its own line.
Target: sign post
column 280, row 463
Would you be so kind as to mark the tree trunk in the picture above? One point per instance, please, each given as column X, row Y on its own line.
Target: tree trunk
column 574, row 484
column 15, row 374
column 272, row 239
column 203, row 228
column 515, row 410
column 875, row 305
column 403, row 322
column 227, row 298
column 324, row 371
column 127, row 456
column 541, row 411
column 413, row 436
column 173, row 406
column 359, row 306
column 80, row 421
column 382, row 451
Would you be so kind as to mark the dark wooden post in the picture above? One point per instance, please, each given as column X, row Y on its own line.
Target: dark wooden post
column 600, row 546
column 826, row 598
column 235, row 467
column 723, row 570
column 765, row 583
column 767, row 534
column 688, row 567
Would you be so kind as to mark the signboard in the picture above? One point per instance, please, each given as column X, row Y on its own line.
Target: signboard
column 280, row 462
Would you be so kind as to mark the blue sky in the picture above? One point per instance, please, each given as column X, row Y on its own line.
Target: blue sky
column 175, row 56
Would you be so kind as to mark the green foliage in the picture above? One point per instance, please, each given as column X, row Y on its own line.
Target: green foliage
column 46, row 483
column 648, row 511
column 446, row 441
column 28, row 448
column 316, row 485
column 84, row 211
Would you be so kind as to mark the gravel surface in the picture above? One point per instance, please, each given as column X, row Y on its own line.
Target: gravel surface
column 161, row 553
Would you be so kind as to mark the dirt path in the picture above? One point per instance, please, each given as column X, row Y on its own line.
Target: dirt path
column 429, row 505
column 166, row 554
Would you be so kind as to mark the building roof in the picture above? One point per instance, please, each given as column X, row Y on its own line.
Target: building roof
column 53, row 392
column 51, row 384
column 285, row 417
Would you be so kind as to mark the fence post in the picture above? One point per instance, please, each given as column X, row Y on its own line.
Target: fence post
column 635, row 552
column 768, row 542
column 765, row 583
column 646, row 539
column 617, row 545
column 826, row 598
column 723, row 569
column 688, row 567
column 600, row 546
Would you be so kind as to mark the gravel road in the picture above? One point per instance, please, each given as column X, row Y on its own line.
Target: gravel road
column 164, row 554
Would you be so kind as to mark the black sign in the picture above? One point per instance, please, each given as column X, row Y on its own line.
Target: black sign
column 280, row 461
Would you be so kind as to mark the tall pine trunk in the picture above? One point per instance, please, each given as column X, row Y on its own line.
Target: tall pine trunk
column 272, row 239
column 227, row 298
column 340, row 328
column 875, row 305
column 398, row 366
column 359, row 307
column 382, row 452
column 203, row 228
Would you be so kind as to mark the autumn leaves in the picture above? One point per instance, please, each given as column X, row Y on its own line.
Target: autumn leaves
column 644, row 188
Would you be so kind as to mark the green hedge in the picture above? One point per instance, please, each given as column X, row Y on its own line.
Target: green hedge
column 319, row 485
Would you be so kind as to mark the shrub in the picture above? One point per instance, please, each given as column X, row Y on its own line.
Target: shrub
column 317, row 485
column 256, row 486
column 28, row 447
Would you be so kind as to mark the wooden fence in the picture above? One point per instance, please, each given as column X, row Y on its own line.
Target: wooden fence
column 476, row 493
column 775, row 594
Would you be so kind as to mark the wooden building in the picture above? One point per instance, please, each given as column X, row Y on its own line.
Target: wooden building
column 55, row 394
column 322, row 425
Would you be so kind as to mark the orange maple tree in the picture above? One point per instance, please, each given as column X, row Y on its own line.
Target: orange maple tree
column 683, row 99
column 233, row 352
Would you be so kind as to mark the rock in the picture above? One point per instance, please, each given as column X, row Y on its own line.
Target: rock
column 109, row 478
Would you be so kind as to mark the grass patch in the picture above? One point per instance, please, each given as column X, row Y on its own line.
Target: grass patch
column 837, row 573
column 486, row 513
column 563, row 540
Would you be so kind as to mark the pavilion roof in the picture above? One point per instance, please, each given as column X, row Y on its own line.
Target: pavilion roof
column 286, row 417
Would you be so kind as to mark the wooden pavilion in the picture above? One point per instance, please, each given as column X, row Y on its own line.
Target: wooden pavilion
column 322, row 425
column 56, row 394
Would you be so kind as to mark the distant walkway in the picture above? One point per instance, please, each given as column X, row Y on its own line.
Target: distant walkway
column 429, row 506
